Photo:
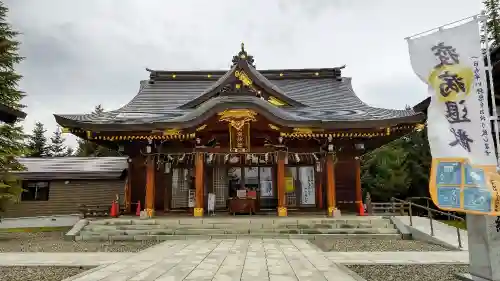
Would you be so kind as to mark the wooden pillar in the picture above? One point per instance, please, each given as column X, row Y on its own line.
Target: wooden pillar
column 168, row 188
column 128, row 189
column 198, row 183
column 330, row 183
column 359, row 195
column 280, row 183
column 319, row 184
column 150, row 186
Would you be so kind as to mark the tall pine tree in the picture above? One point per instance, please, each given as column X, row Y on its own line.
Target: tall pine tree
column 90, row 149
column 37, row 142
column 492, row 8
column 57, row 147
column 11, row 135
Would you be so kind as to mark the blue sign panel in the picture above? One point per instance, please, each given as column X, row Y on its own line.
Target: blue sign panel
column 449, row 173
column 477, row 199
column 448, row 196
column 474, row 176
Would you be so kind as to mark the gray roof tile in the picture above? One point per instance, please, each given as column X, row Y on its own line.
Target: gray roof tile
column 72, row 167
column 326, row 99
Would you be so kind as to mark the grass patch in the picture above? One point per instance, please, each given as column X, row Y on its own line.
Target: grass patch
column 36, row 229
column 456, row 223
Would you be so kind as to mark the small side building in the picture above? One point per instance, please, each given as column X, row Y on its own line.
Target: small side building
column 56, row 186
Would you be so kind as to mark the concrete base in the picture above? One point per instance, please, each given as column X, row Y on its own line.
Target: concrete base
column 484, row 247
column 468, row 277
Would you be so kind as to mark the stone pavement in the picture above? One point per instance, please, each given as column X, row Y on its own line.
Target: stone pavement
column 447, row 257
column 60, row 259
column 224, row 260
column 442, row 231
column 228, row 259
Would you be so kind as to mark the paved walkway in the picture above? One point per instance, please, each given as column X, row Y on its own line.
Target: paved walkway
column 442, row 231
column 60, row 259
column 231, row 260
column 224, row 260
column 447, row 257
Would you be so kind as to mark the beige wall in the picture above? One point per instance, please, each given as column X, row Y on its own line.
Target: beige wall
column 65, row 198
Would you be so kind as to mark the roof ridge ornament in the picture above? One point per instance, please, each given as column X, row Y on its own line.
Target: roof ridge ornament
column 243, row 56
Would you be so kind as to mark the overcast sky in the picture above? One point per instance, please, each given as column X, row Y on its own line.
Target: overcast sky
column 83, row 53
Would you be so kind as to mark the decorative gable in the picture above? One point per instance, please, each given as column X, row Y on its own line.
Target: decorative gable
column 244, row 79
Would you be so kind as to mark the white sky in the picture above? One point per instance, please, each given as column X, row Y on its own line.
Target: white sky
column 83, row 53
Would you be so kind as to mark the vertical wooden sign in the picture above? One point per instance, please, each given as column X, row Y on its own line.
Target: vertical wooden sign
column 239, row 137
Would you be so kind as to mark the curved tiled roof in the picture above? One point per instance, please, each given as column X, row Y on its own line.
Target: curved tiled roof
column 322, row 95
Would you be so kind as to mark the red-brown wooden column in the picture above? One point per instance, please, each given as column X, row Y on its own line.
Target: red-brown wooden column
column 359, row 196
column 150, row 186
column 330, row 183
column 128, row 188
column 198, row 182
column 280, row 183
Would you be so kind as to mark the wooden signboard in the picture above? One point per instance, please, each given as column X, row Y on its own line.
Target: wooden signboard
column 239, row 137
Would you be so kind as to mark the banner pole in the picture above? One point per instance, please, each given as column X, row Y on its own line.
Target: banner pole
column 439, row 27
column 489, row 69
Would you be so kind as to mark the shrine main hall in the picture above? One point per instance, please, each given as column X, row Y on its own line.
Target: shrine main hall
column 244, row 140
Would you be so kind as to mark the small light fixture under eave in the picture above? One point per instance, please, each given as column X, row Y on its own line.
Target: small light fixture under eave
column 209, row 75
column 167, row 168
column 148, row 149
column 359, row 146
column 330, row 147
column 316, row 74
column 173, row 76
column 121, row 148
column 281, row 74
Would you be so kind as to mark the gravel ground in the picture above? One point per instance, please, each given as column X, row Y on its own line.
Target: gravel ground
column 374, row 245
column 414, row 272
column 38, row 273
column 54, row 242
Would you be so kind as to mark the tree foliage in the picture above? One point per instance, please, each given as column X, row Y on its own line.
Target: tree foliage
column 88, row 148
column 11, row 135
column 492, row 8
column 57, row 147
column 37, row 142
column 399, row 169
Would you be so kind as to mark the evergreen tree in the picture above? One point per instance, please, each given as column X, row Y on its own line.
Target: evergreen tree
column 88, row 148
column 384, row 172
column 70, row 151
column 37, row 142
column 492, row 8
column 57, row 147
column 11, row 135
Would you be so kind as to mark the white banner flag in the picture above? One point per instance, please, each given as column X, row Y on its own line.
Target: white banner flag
column 450, row 62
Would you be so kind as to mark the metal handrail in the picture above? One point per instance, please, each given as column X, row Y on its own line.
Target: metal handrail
column 429, row 214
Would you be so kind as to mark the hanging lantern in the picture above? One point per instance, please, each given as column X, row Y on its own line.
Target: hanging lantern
column 318, row 166
column 167, row 167
column 297, row 158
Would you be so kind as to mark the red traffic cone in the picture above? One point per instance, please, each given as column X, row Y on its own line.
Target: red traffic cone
column 138, row 210
column 361, row 209
column 114, row 211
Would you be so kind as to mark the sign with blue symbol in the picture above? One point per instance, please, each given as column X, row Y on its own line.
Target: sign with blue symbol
column 474, row 176
column 449, row 173
column 448, row 197
column 477, row 199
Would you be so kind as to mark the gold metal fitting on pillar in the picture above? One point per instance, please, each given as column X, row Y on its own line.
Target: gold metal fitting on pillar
column 198, row 212
column 282, row 212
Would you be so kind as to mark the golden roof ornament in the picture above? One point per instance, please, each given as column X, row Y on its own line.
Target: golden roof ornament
column 243, row 56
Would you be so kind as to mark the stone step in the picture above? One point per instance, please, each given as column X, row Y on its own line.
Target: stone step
column 232, row 236
column 229, row 220
column 195, row 231
column 234, row 226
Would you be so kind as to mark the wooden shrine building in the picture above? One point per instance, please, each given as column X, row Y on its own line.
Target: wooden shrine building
column 290, row 138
